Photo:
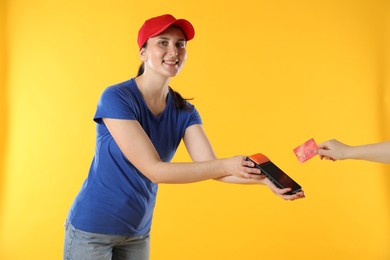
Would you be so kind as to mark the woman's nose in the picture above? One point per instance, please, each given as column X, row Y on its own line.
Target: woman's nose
column 173, row 50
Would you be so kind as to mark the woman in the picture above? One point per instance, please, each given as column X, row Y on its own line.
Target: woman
column 140, row 124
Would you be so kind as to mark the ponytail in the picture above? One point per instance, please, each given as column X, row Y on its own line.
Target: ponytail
column 180, row 102
column 141, row 69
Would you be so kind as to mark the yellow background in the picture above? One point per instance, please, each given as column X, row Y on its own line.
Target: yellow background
column 266, row 75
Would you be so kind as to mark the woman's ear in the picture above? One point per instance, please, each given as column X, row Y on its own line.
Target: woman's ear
column 142, row 54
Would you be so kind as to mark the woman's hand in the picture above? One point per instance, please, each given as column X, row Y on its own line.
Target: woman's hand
column 282, row 192
column 237, row 166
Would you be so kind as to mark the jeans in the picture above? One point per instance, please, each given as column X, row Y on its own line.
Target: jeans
column 81, row 245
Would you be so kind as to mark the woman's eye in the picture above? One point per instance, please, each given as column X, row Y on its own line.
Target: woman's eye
column 181, row 45
column 164, row 43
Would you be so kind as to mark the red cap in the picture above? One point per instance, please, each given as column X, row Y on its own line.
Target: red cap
column 156, row 25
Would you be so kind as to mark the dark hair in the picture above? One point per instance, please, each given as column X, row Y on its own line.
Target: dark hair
column 180, row 102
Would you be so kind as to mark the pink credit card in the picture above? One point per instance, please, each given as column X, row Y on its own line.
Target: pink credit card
column 306, row 150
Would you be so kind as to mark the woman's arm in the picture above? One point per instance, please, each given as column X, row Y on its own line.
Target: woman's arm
column 139, row 150
column 336, row 150
column 200, row 149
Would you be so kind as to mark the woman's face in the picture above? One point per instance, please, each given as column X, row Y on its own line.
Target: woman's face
column 166, row 53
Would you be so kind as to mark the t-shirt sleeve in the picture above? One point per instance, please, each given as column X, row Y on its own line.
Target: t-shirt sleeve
column 115, row 103
column 195, row 117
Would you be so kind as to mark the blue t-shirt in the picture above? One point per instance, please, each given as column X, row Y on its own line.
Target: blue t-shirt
column 116, row 198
